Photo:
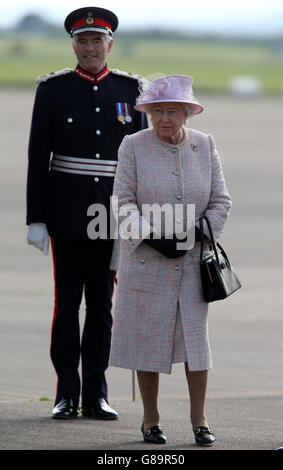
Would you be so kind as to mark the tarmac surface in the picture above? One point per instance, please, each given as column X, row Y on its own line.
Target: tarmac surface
column 245, row 390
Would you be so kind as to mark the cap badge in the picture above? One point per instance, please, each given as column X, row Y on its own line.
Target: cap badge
column 89, row 19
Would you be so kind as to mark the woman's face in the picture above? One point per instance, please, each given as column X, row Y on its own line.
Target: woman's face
column 167, row 120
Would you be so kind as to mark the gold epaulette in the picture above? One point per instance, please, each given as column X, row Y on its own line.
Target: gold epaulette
column 44, row 78
column 134, row 76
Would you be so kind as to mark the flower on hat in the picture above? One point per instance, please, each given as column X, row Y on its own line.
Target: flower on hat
column 162, row 89
column 174, row 88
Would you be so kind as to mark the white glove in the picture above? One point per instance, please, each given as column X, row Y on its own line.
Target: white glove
column 38, row 236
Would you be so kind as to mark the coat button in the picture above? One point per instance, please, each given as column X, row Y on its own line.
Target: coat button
column 97, row 109
column 97, row 155
column 95, row 87
column 96, row 179
column 98, row 132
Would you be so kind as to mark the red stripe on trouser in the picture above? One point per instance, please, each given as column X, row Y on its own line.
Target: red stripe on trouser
column 114, row 282
column 55, row 311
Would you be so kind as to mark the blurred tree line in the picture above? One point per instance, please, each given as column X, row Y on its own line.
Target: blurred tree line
column 35, row 24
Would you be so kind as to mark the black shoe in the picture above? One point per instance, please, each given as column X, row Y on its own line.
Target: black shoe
column 65, row 409
column 204, row 436
column 154, row 435
column 99, row 410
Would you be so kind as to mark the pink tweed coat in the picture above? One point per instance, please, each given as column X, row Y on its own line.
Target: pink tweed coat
column 159, row 301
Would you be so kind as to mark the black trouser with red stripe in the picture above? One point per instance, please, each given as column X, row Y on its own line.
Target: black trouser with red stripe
column 81, row 266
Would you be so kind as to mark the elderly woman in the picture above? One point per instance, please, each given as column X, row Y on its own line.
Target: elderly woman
column 160, row 315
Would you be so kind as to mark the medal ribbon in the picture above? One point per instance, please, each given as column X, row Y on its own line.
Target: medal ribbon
column 128, row 117
column 120, row 112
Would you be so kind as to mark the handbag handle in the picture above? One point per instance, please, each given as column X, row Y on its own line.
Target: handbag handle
column 211, row 237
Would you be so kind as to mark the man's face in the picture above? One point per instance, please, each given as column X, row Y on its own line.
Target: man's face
column 91, row 49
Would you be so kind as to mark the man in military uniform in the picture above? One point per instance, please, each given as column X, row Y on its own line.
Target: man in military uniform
column 79, row 120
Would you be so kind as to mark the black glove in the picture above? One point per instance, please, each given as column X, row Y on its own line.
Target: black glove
column 166, row 246
column 197, row 235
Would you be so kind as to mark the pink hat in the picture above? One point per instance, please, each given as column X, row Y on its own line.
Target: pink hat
column 170, row 88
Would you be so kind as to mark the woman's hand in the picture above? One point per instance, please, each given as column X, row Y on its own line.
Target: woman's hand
column 166, row 246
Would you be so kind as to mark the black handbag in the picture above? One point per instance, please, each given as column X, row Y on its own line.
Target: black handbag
column 218, row 277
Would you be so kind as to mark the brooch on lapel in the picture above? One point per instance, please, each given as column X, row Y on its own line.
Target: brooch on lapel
column 194, row 147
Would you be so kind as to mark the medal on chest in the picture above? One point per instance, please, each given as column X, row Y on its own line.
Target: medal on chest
column 120, row 113
column 128, row 118
column 123, row 113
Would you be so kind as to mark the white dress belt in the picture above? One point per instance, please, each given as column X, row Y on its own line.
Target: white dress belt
column 83, row 166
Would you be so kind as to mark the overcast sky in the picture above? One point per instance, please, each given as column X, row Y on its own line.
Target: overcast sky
column 234, row 16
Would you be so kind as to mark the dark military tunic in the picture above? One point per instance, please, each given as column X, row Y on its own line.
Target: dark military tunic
column 75, row 115
column 75, row 118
